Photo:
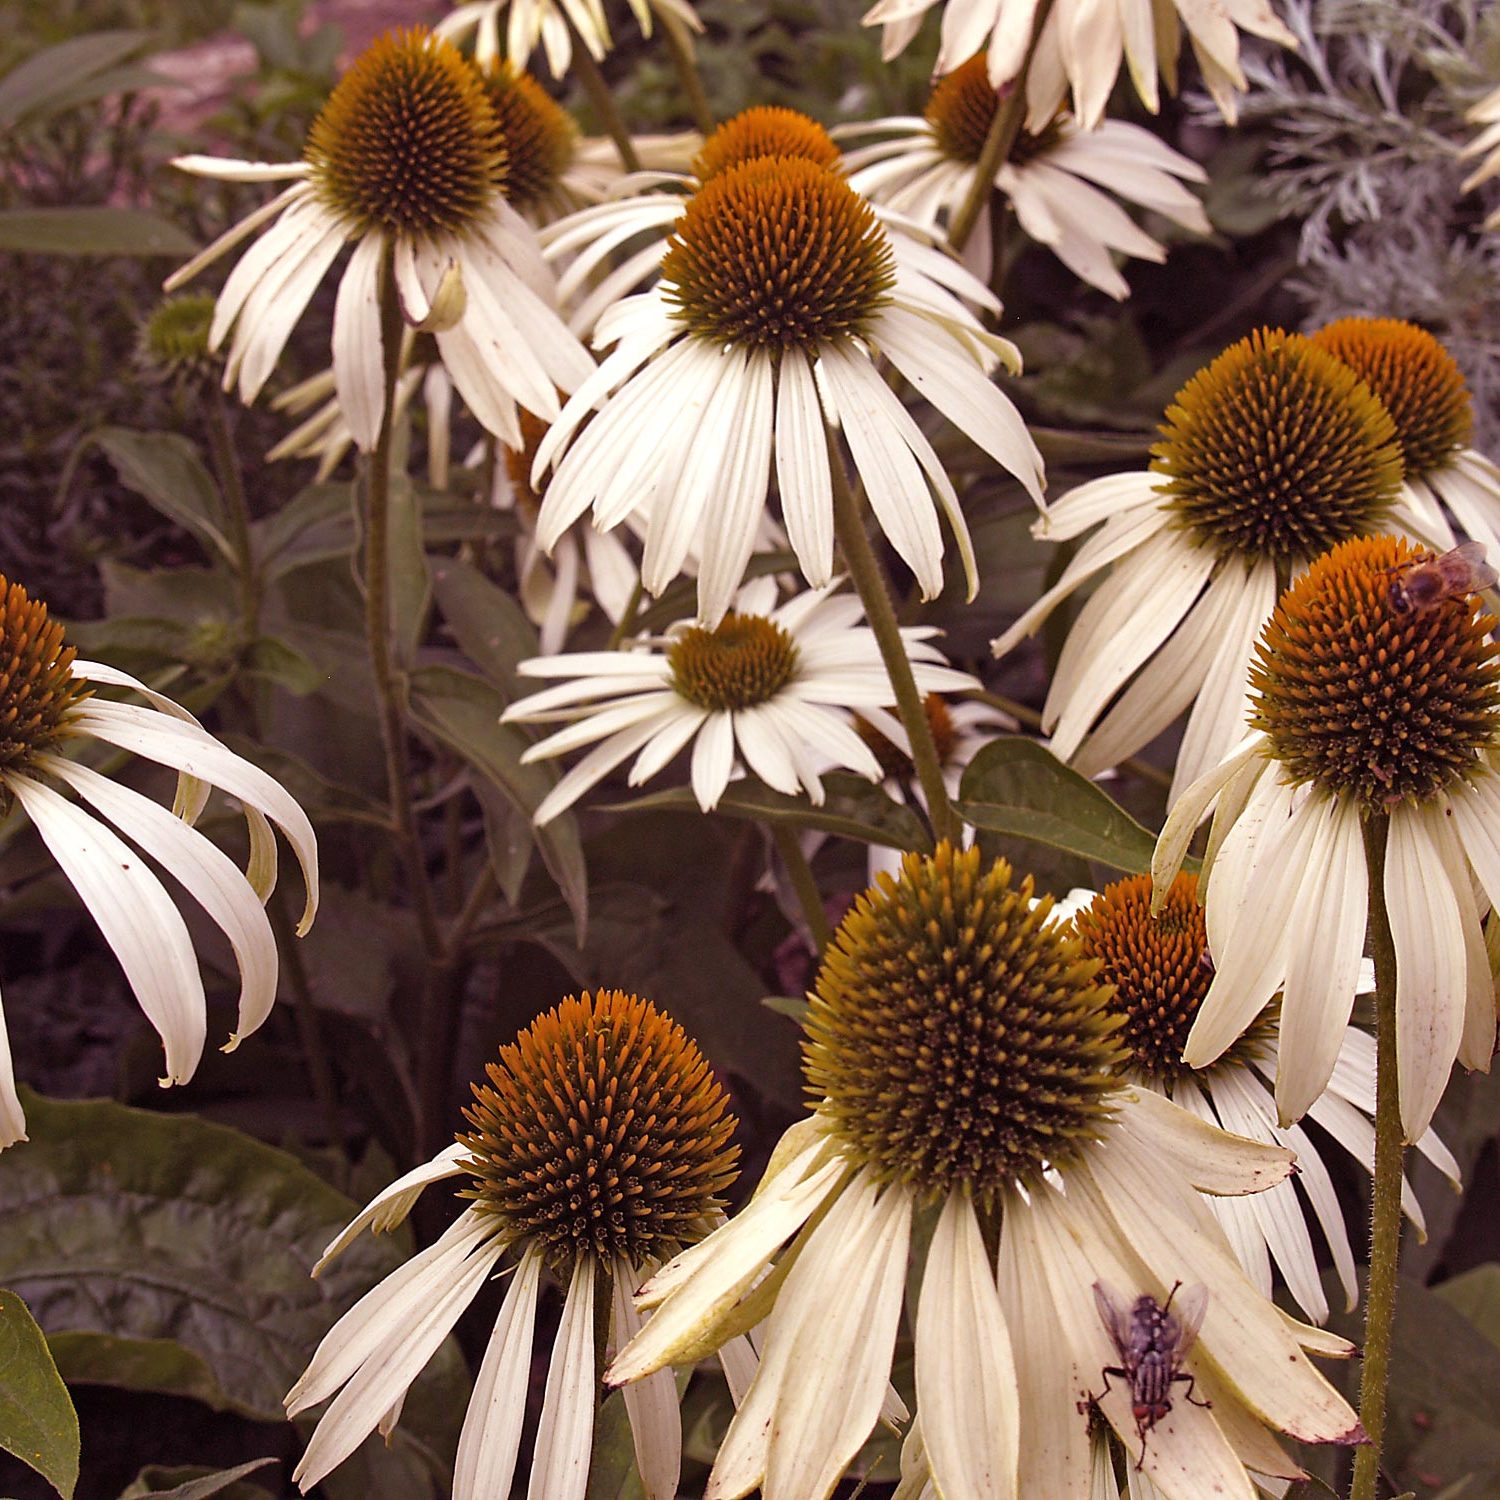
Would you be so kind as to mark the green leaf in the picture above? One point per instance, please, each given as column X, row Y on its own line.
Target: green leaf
column 490, row 627
column 166, row 470
column 97, row 229
column 282, row 663
column 317, row 524
column 1476, row 1294
column 463, row 713
column 50, row 75
column 853, row 808
column 37, row 1421
column 411, row 589
column 1018, row 787
column 612, row 1474
column 163, row 1253
column 792, row 1006
column 194, row 1482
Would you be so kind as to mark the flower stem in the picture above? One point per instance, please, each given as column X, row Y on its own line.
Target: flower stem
column 378, row 627
column 808, row 894
column 680, row 45
column 1010, row 114
column 626, row 626
column 870, row 584
column 602, row 101
column 1385, row 1229
column 232, row 486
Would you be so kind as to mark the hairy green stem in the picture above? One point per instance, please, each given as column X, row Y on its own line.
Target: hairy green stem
column 1385, row 1227
column 602, row 101
column 626, row 627
column 378, row 627
column 869, row 583
column 680, row 45
column 1010, row 115
column 806, row 887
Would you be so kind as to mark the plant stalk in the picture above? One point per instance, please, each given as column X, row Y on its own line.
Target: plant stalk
column 680, row 45
column 869, row 582
column 602, row 101
column 808, row 895
column 1385, row 1227
column 1010, row 115
column 378, row 627
column 226, row 464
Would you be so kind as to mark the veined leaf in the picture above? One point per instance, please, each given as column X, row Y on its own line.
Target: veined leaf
column 37, row 1421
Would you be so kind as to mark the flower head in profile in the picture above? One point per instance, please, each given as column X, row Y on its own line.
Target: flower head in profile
column 966, row 1060
column 1374, row 696
column 407, row 160
column 1161, row 968
column 1268, row 456
column 550, row 25
column 753, row 345
column 48, row 705
column 776, row 686
column 1083, row 44
column 1486, row 143
column 598, row 1149
column 1422, row 387
column 1051, row 178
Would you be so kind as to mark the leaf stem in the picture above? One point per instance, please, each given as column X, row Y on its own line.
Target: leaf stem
column 1010, row 114
column 1385, row 1227
column 378, row 626
column 808, row 895
column 870, row 584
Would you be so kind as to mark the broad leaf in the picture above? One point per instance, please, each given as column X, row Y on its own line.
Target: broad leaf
column 1476, row 1294
column 47, row 77
column 463, row 713
column 853, row 808
column 1018, row 787
column 194, row 1482
column 165, row 1253
column 166, row 470
column 490, row 627
column 96, row 229
column 37, row 1421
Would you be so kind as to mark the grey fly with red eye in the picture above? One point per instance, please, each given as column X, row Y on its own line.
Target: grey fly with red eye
column 1152, row 1339
column 1428, row 579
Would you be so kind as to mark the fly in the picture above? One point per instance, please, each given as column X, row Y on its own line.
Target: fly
column 1152, row 1339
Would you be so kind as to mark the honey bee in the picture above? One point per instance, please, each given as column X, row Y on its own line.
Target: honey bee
column 1427, row 580
column 1152, row 1339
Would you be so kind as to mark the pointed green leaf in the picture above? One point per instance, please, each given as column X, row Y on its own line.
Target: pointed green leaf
column 1018, row 787
column 853, row 808
column 166, row 470
column 194, row 1482
column 37, row 1421
column 463, row 712
column 49, row 74
column 490, row 627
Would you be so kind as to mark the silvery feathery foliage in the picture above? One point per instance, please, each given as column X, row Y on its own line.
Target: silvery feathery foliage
column 1365, row 122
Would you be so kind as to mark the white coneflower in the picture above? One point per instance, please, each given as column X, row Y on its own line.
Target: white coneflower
column 47, row 703
column 1365, row 703
column 968, row 1063
column 1161, row 969
column 1487, row 144
column 1424, row 390
column 1269, row 455
column 406, row 160
column 597, row 1150
column 1051, row 178
column 642, row 210
column 550, row 25
column 1084, row 42
column 775, row 685
column 750, row 347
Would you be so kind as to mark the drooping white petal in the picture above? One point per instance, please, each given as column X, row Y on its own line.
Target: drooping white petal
column 655, row 1419
column 565, row 1434
column 358, row 354
column 136, row 916
column 966, row 1379
column 491, row 1436
column 12, row 1116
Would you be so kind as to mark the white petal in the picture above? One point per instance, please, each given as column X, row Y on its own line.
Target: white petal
column 358, row 354
column 966, row 1380
column 12, row 1116
column 802, row 472
column 491, row 1436
column 565, row 1434
column 136, row 916
column 655, row 1420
